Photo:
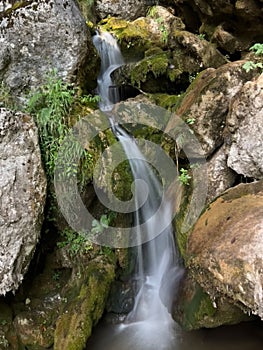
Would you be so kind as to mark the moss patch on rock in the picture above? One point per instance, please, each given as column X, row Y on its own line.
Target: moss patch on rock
column 195, row 309
column 84, row 306
column 134, row 37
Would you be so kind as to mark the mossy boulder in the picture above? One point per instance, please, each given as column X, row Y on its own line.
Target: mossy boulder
column 85, row 303
column 168, row 57
column 195, row 309
column 207, row 100
column 134, row 37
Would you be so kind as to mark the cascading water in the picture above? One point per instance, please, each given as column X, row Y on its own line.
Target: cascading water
column 111, row 59
column 149, row 325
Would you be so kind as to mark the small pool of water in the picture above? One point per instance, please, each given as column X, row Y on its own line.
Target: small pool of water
column 245, row 336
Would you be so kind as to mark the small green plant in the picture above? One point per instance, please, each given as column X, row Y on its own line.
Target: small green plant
column 99, row 226
column 257, row 48
column 6, row 98
column 190, row 121
column 56, row 275
column 192, row 77
column 251, row 65
column 184, row 177
column 153, row 12
column 76, row 243
column 89, row 100
column 50, row 106
column 163, row 29
column 201, row 36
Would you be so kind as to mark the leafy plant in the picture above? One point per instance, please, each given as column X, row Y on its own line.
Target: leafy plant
column 201, row 36
column 89, row 100
column 99, row 226
column 251, row 65
column 257, row 48
column 190, row 121
column 50, row 106
column 184, row 177
column 76, row 243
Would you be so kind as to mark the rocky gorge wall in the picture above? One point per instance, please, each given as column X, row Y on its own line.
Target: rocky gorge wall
column 185, row 56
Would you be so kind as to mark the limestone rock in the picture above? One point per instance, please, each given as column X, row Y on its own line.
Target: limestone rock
column 22, row 195
column 220, row 176
column 245, row 122
column 224, row 250
column 37, row 36
column 207, row 100
column 126, row 9
column 228, row 41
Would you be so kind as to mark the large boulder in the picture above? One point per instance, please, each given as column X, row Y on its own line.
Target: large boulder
column 165, row 57
column 245, row 122
column 129, row 10
column 224, row 251
column 37, row 36
column 207, row 100
column 22, row 195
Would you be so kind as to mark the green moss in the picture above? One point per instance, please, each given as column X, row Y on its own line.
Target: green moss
column 199, row 308
column 157, row 65
column 181, row 235
column 85, row 306
column 134, row 37
column 169, row 102
column 87, row 10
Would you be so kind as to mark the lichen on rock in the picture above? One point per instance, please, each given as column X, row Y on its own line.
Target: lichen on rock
column 44, row 35
column 23, row 193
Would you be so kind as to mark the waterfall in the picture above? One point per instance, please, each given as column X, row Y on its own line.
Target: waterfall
column 111, row 59
column 158, row 269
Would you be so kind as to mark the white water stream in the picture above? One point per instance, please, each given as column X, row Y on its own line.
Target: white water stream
column 149, row 325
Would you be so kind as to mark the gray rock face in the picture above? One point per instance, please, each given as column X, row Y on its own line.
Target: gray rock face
column 39, row 36
column 245, row 122
column 220, row 176
column 127, row 9
column 22, row 196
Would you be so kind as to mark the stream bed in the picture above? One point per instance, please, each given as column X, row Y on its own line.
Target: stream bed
column 244, row 336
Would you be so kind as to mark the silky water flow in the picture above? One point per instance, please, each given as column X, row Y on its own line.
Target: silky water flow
column 149, row 325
